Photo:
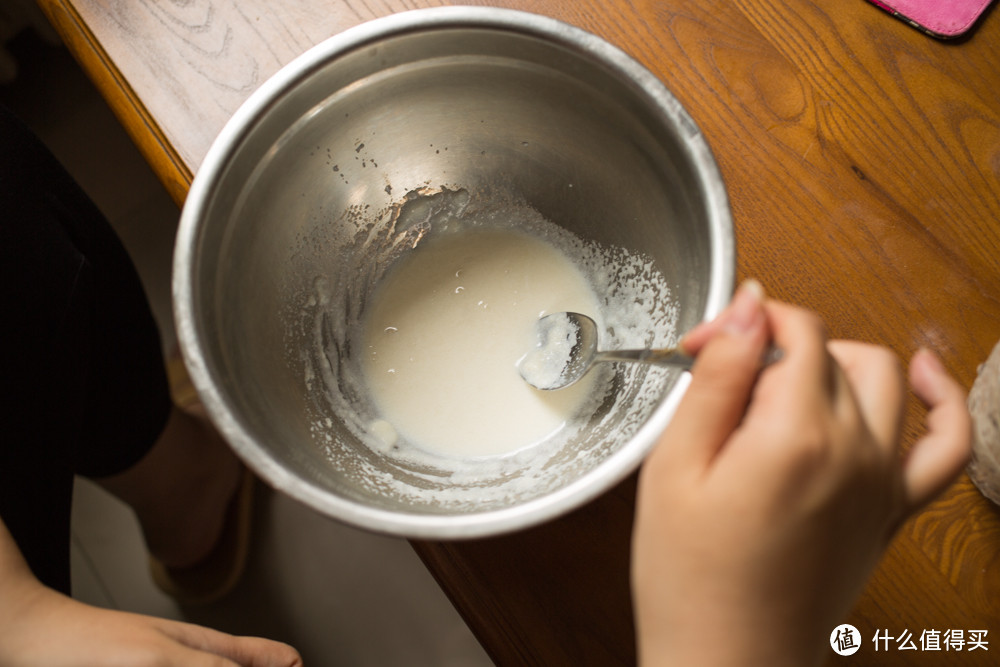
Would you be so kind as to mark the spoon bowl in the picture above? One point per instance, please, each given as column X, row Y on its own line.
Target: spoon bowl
column 567, row 349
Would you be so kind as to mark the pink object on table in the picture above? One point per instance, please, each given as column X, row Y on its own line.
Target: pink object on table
column 940, row 18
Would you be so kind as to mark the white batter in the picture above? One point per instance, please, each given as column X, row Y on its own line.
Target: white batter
column 445, row 330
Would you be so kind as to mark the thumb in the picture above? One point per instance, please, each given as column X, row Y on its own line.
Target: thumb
column 722, row 380
column 939, row 456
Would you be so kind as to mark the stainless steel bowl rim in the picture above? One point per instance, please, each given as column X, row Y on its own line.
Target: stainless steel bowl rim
column 445, row 526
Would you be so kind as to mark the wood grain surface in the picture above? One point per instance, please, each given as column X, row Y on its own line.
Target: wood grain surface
column 862, row 160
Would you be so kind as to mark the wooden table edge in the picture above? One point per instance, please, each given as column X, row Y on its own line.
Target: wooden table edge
column 167, row 164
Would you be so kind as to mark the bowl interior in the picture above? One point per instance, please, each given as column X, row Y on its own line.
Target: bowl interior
column 491, row 118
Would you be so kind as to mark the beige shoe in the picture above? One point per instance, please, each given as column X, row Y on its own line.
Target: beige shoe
column 219, row 572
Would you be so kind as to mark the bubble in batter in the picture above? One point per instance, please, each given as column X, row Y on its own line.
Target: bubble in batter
column 445, row 330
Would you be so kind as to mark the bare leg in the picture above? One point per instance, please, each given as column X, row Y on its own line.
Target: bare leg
column 180, row 490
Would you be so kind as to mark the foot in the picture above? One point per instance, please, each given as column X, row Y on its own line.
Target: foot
column 181, row 490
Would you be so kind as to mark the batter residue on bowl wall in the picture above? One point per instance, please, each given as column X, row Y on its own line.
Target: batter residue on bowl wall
column 431, row 459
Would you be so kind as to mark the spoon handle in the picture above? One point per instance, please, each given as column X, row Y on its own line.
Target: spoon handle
column 672, row 356
column 668, row 356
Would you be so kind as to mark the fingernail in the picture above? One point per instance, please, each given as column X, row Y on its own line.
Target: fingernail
column 753, row 285
column 933, row 360
column 745, row 309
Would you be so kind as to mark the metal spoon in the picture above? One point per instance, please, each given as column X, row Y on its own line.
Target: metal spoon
column 567, row 348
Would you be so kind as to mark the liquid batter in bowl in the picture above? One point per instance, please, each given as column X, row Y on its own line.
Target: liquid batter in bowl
column 445, row 330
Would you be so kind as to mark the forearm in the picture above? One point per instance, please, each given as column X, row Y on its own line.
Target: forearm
column 727, row 647
column 720, row 626
column 20, row 593
column 15, row 575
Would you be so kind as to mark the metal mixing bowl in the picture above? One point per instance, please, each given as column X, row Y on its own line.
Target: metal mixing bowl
column 479, row 99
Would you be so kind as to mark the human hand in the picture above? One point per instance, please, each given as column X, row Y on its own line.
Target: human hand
column 39, row 626
column 773, row 493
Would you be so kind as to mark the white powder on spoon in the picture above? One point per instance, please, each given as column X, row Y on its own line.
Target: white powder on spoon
column 546, row 364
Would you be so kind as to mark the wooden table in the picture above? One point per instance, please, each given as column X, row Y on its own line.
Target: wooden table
column 863, row 163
